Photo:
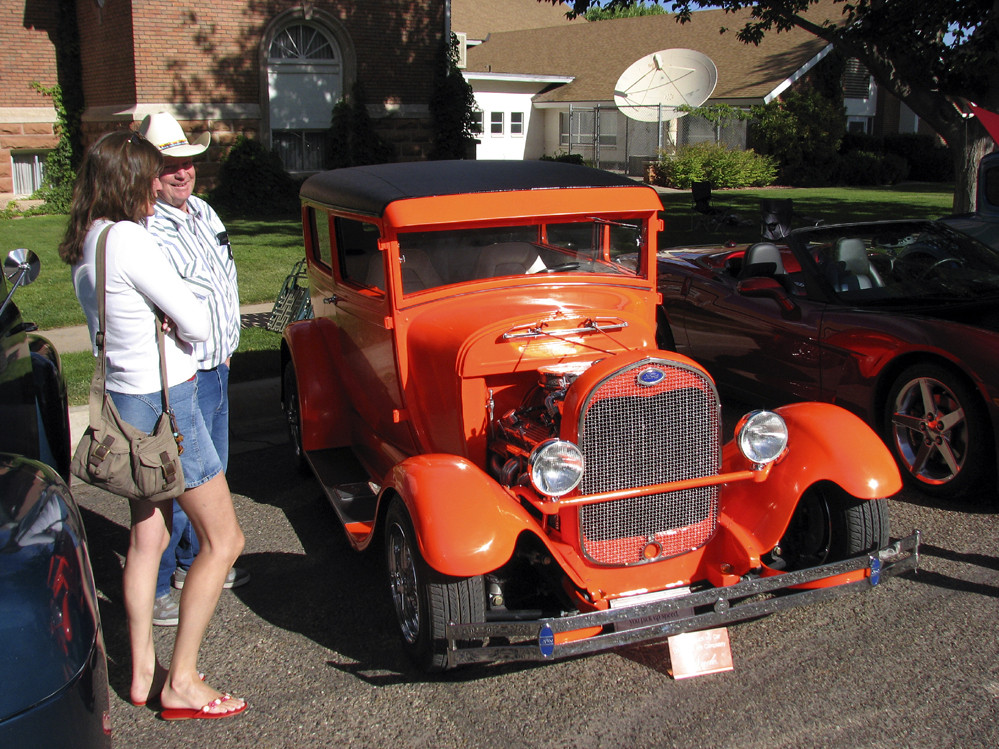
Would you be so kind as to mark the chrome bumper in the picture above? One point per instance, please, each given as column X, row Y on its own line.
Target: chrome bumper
column 670, row 617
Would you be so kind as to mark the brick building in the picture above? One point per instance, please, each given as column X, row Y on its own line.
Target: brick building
column 272, row 69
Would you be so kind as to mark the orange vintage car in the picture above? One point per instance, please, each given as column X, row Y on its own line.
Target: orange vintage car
column 544, row 480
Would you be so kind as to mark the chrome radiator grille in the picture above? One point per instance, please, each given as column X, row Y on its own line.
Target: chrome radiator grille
column 635, row 435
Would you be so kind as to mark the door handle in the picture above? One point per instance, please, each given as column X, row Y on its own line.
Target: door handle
column 333, row 299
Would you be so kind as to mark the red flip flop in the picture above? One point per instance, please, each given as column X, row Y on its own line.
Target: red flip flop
column 187, row 713
column 154, row 701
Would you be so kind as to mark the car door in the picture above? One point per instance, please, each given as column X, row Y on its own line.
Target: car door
column 758, row 342
column 360, row 306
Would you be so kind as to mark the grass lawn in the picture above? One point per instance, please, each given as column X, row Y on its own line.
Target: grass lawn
column 832, row 204
column 266, row 250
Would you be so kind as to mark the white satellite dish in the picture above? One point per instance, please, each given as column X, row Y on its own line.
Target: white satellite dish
column 670, row 78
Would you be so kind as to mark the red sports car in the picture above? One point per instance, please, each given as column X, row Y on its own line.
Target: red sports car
column 896, row 321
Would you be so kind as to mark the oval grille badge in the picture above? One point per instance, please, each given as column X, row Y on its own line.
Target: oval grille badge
column 651, row 376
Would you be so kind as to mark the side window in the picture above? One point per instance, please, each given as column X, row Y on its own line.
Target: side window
column 318, row 227
column 357, row 249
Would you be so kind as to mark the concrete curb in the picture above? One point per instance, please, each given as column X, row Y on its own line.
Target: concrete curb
column 77, row 337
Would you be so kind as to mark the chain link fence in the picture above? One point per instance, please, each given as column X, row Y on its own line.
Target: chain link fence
column 607, row 139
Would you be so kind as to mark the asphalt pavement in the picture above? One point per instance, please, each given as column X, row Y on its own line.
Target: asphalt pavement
column 312, row 644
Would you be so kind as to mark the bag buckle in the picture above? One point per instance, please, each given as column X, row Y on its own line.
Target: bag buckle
column 102, row 450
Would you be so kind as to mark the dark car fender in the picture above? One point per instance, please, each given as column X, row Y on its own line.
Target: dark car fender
column 825, row 443
column 466, row 523
column 310, row 345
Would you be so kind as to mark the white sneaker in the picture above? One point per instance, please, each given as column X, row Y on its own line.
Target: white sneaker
column 237, row 576
column 166, row 611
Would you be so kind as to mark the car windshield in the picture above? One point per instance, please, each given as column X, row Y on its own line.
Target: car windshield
column 899, row 262
column 438, row 258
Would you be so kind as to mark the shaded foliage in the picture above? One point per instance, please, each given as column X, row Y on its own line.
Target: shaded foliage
column 253, row 181
column 803, row 132
column 451, row 106
column 352, row 138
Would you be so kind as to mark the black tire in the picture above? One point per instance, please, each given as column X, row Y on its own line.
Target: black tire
column 424, row 600
column 936, row 428
column 830, row 525
column 292, row 413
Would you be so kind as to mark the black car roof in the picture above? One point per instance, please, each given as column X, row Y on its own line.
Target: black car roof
column 370, row 189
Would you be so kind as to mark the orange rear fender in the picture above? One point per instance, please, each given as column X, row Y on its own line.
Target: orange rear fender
column 311, row 346
column 465, row 522
column 825, row 443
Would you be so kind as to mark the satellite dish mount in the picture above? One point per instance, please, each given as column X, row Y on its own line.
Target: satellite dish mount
column 654, row 87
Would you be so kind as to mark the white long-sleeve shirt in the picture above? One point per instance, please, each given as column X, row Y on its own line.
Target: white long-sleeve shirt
column 138, row 280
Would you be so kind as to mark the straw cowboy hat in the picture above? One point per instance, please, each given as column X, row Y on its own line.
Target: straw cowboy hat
column 164, row 132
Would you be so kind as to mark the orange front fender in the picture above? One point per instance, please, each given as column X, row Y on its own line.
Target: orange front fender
column 311, row 346
column 466, row 523
column 825, row 443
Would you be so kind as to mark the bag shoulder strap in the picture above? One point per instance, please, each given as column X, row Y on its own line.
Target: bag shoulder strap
column 98, row 382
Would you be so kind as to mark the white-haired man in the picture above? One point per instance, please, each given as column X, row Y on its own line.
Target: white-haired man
column 195, row 241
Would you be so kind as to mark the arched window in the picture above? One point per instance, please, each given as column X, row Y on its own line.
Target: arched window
column 304, row 81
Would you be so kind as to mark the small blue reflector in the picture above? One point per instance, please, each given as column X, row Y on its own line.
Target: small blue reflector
column 875, row 570
column 546, row 641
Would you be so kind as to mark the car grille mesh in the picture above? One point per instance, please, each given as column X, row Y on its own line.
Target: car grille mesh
column 634, row 435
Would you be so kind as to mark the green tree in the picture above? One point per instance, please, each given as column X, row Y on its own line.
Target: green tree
column 803, row 131
column 451, row 106
column 934, row 55
column 639, row 8
column 352, row 138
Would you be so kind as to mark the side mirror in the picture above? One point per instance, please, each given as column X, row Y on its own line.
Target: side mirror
column 20, row 268
column 764, row 286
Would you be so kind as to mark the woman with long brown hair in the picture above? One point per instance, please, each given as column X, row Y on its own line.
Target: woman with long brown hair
column 117, row 187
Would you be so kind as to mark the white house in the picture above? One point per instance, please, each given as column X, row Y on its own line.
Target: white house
column 545, row 85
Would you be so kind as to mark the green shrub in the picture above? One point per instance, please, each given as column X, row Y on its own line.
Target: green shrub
column 926, row 160
column 352, row 139
column 714, row 163
column 568, row 158
column 867, row 168
column 253, row 181
column 803, row 132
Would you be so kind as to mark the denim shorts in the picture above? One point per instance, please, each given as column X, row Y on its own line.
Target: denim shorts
column 201, row 462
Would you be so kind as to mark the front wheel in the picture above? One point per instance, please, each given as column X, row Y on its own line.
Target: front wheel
column 292, row 413
column 830, row 525
column 937, row 431
column 423, row 599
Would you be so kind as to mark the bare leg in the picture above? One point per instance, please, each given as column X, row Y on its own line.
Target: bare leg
column 210, row 509
column 148, row 537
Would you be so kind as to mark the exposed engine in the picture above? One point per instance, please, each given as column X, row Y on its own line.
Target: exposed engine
column 517, row 432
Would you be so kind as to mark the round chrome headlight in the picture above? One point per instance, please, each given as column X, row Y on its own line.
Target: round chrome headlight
column 556, row 467
column 762, row 436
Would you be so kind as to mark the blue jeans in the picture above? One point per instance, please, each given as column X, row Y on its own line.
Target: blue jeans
column 213, row 402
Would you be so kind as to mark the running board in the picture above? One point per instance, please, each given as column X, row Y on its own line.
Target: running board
column 347, row 491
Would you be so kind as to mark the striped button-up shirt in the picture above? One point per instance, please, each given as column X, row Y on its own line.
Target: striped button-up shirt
column 197, row 245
